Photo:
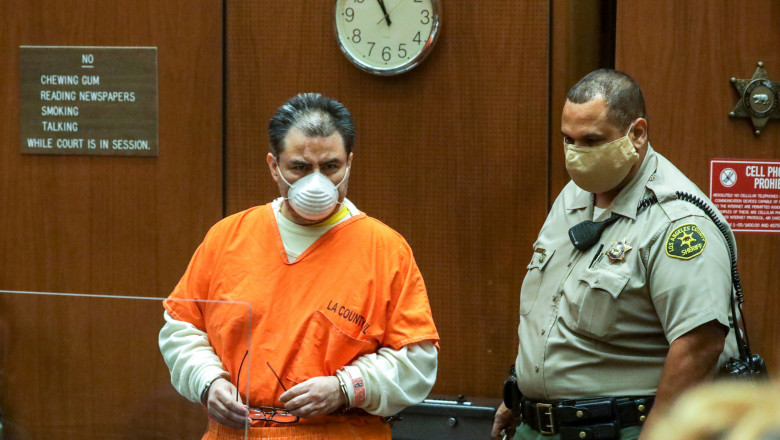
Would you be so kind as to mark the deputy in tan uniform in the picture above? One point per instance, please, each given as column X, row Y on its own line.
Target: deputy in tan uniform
column 621, row 327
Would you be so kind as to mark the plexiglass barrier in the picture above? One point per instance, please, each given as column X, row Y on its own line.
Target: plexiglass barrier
column 80, row 366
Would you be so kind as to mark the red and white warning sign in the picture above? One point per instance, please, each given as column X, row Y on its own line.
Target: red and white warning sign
column 747, row 193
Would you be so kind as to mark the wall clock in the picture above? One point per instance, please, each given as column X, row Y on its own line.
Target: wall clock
column 387, row 37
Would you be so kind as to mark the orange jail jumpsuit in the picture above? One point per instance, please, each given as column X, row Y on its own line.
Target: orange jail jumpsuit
column 354, row 290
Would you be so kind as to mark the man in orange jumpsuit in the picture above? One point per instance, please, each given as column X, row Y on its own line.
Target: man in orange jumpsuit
column 340, row 331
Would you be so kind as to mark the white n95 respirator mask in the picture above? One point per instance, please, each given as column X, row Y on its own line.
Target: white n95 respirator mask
column 601, row 168
column 313, row 196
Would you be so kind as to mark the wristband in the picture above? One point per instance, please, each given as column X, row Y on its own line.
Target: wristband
column 358, row 388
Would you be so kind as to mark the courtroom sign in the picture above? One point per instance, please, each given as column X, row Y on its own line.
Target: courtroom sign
column 747, row 193
column 88, row 100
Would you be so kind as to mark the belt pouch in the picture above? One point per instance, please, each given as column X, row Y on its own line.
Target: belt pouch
column 571, row 412
column 601, row 431
column 512, row 395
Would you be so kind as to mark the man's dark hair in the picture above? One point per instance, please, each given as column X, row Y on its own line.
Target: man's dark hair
column 619, row 91
column 314, row 115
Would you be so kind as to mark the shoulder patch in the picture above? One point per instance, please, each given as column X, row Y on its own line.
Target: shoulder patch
column 685, row 242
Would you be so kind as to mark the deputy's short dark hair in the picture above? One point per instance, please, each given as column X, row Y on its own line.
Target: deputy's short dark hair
column 314, row 115
column 619, row 91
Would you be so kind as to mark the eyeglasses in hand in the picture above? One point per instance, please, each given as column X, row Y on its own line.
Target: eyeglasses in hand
column 266, row 413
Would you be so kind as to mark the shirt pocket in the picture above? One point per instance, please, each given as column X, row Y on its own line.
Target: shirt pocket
column 595, row 309
column 529, row 291
column 325, row 348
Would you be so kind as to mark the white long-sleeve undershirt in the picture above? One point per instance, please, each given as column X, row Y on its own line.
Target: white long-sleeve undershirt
column 393, row 379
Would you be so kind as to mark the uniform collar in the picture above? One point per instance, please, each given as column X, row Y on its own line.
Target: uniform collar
column 628, row 198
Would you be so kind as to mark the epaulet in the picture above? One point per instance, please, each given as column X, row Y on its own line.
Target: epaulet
column 676, row 209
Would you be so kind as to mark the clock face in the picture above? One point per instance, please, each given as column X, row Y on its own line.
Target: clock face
column 387, row 37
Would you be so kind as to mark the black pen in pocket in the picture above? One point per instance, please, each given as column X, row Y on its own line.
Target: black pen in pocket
column 598, row 252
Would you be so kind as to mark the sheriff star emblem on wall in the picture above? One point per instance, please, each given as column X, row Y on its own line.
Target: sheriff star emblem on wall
column 758, row 98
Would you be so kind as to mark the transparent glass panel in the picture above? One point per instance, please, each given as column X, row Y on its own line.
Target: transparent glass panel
column 89, row 367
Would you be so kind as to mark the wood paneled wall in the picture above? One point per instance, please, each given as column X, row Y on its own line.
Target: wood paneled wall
column 104, row 225
column 683, row 55
column 582, row 41
column 452, row 154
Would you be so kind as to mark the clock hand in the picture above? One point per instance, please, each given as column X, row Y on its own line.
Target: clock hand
column 391, row 10
column 384, row 11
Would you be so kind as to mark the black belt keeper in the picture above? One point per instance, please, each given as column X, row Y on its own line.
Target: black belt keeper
column 599, row 418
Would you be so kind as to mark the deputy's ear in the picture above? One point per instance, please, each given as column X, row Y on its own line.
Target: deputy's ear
column 638, row 133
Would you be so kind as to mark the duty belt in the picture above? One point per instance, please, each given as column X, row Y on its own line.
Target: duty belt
column 593, row 418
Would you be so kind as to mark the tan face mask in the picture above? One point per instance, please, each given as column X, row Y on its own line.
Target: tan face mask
column 602, row 168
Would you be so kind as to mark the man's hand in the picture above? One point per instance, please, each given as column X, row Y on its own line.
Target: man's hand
column 503, row 420
column 315, row 397
column 223, row 406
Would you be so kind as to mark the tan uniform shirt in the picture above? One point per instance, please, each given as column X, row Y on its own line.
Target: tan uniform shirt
column 591, row 325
